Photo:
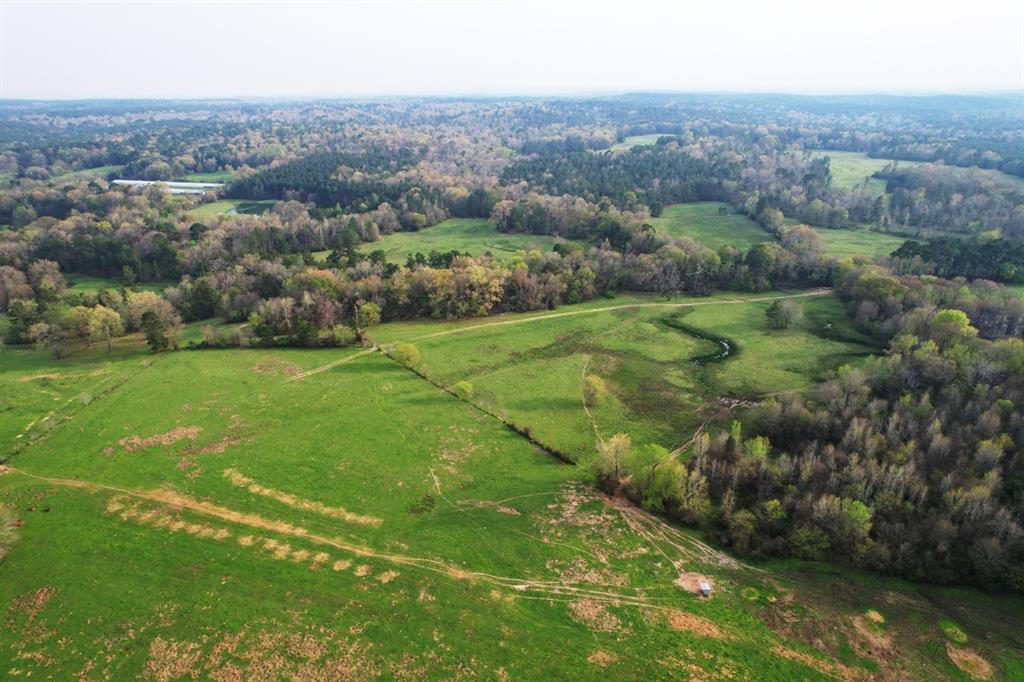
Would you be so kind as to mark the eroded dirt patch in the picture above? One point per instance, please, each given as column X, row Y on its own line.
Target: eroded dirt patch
column 134, row 443
column 580, row 571
column 601, row 659
column 170, row 660
column 31, row 605
column 243, row 481
column 264, row 655
column 690, row 581
column 835, row 670
column 595, row 615
column 165, row 518
column 869, row 637
column 688, row 622
column 970, row 662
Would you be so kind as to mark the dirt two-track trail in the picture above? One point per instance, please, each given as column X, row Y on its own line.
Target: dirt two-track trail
column 568, row 313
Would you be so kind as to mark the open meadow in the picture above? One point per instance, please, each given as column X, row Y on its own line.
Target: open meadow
column 854, row 169
column 475, row 236
column 230, row 206
column 716, row 224
column 842, row 244
column 332, row 515
column 83, row 283
column 87, row 174
column 712, row 223
column 529, row 369
column 636, row 141
column 212, row 176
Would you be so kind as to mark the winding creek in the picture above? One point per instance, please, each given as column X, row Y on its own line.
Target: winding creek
column 726, row 347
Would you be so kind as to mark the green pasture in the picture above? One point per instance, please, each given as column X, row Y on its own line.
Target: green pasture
column 529, row 368
column 87, row 174
column 475, row 236
column 847, row 243
column 711, row 223
column 637, row 141
column 230, row 206
column 330, row 514
column 211, row 176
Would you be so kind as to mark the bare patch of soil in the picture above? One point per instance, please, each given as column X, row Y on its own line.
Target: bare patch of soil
column 218, row 447
column 170, row 660
column 869, row 638
column 834, row 670
column 32, row 604
column 688, row 622
column 594, row 615
column 691, row 581
column 134, row 443
column 970, row 662
column 579, row 571
column 241, row 480
column 164, row 518
column 601, row 659
column 40, row 377
column 264, row 655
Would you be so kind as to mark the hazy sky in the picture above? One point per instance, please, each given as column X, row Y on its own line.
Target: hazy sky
column 225, row 49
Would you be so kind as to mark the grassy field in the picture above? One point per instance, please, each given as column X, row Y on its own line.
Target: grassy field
column 853, row 169
column 213, row 176
column 847, row 243
column 222, row 206
column 473, row 235
column 711, row 223
column 637, row 141
column 531, row 372
column 82, row 283
column 315, row 514
column 87, row 174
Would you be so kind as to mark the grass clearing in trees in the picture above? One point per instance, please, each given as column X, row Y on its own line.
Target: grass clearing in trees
column 230, row 206
column 847, row 243
column 209, row 518
column 531, row 368
column 212, row 176
column 637, row 141
column 711, row 223
column 476, row 236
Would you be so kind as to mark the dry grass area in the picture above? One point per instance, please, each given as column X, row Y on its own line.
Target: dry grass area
column 239, row 479
column 266, row 655
column 834, row 670
column 688, row 622
column 276, row 367
column 595, row 615
column 134, row 443
column 602, row 659
column 976, row 667
column 32, row 604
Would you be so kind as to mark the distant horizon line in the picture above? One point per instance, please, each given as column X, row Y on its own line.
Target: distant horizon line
column 567, row 94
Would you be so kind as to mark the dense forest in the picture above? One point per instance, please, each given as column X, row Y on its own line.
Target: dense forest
column 909, row 464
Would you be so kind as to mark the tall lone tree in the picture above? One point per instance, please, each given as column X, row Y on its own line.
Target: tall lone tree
column 155, row 331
